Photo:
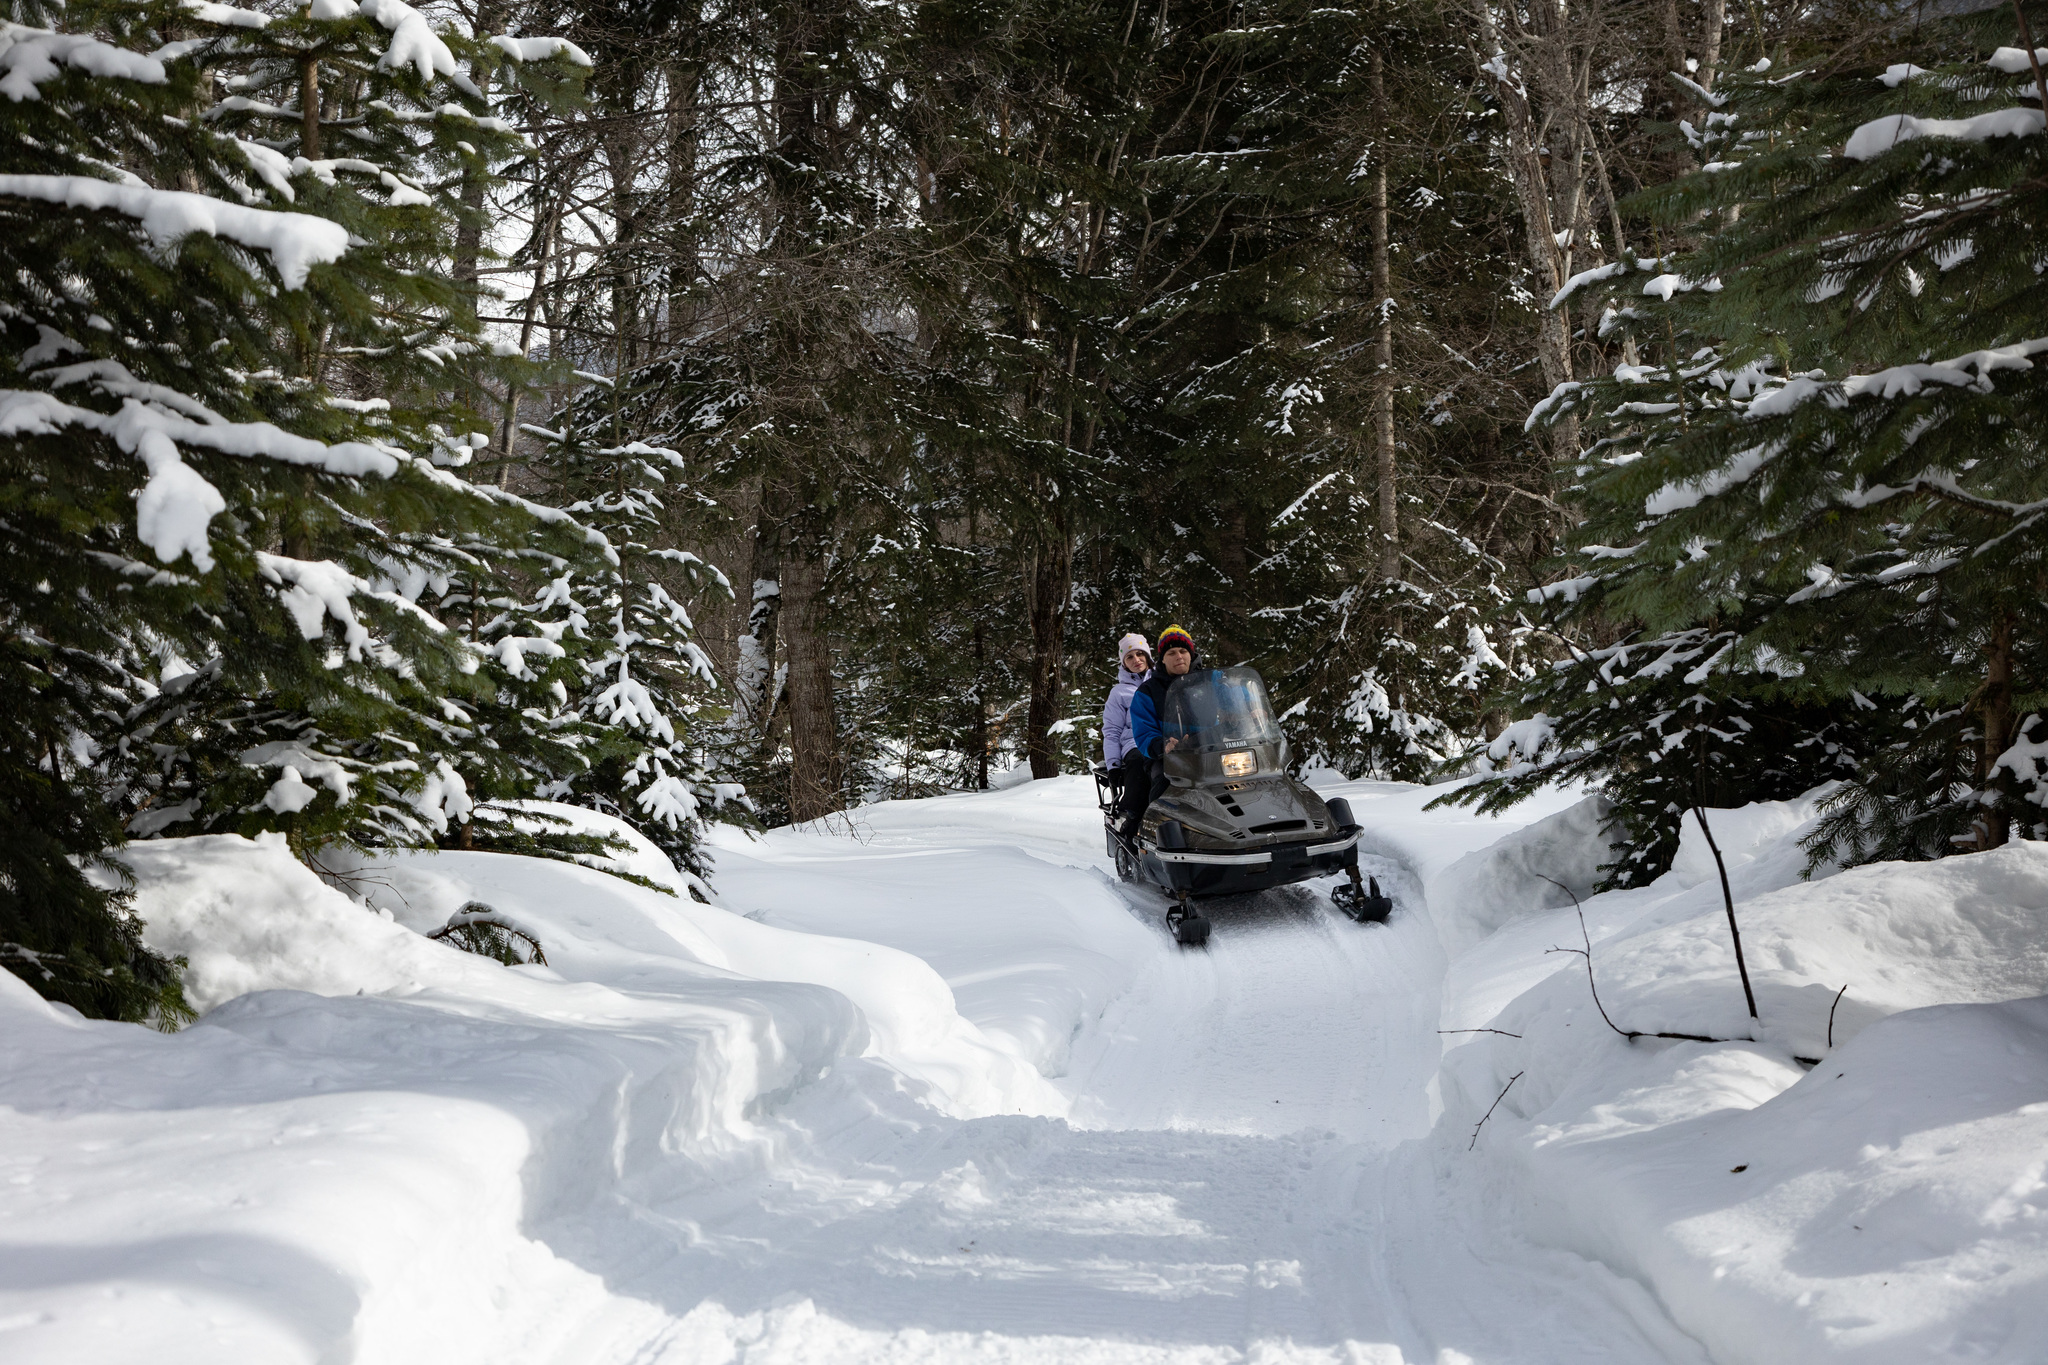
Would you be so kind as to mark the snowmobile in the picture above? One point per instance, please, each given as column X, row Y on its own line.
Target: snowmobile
column 1231, row 818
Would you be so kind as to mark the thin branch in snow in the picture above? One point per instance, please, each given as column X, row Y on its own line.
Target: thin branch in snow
column 1490, row 1108
column 1587, row 953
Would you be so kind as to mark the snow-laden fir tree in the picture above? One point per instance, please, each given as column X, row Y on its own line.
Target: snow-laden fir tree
column 229, row 456
column 645, row 679
column 1823, row 492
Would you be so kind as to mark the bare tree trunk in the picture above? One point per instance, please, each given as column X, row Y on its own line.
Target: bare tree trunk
column 1547, row 258
column 309, row 108
column 981, row 736
column 754, row 683
column 1383, row 291
column 1995, row 712
column 814, row 774
column 1713, row 20
column 469, row 233
column 1674, row 42
column 1050, row 585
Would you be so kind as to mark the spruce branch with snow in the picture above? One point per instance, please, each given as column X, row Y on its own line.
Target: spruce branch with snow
column 1831, row 454
column 229, row 462
column 645, row 681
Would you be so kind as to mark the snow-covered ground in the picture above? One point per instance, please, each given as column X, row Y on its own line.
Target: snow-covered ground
column 931, row 1086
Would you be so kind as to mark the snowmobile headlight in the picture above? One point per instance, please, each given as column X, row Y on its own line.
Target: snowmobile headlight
column 1239, row 764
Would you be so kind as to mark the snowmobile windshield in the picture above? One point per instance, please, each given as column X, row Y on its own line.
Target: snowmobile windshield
column 1220, row 709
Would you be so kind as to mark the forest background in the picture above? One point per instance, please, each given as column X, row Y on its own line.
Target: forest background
column 802, row 398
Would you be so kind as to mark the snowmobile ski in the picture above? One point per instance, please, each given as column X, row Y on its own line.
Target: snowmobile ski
column 1364, row 904
column 1190, row 926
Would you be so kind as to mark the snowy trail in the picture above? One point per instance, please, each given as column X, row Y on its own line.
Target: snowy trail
column 933, row 1087
column 1294, row 1019
column 1247, row 1175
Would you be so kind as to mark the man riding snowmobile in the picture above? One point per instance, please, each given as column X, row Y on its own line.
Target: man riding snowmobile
column 1208, row 806
column 1144, row 774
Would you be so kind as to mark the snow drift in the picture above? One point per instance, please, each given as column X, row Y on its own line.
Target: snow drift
column 1888, row 1203
column 376, row 1147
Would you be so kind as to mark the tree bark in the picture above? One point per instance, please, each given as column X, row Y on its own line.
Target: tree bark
column 1995, row 713
column 1713, row 20
column 469, row 233
column 755, row 681
column 1051, row 584
column 1533, row 189
column 814, row 773
column 309, row 108
column 981, row 744
column 1383, row 290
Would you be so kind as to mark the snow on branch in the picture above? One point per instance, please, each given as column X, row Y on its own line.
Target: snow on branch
column 1699, row 90
column 413, row 41
column 1586, row 277
column 176, row 504
column 315, row 590
column 540, row 49
column 1971, row 370
column 296, row 241
column 31, row 56
column 1558, row 395
column 1568, row 588
column 1879, row 136
column 2014, row 61
column 1676, row 497
column 228, row 16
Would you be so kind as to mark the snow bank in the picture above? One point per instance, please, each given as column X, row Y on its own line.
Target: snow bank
column 247, row 916
column 1483, row 890
column 595, row 926
column 1032, row 953
column 1889, row 1204
column 1428, row 842
column 377, row 1147
column 369, row 1156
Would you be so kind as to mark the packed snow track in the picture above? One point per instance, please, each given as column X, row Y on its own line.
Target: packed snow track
column 1245, row 1173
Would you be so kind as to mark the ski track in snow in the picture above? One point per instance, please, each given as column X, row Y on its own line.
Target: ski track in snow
column 1248, row 1175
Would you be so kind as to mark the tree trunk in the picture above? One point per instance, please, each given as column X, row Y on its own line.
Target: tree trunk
column 814, row 773
column 980, row 707
column 1536, row 189
column 1383, row 291
column 1051, row 584
column 309, row 108
column 469, row 232
column 754, row 683
column 1713, row 20
column 1995, row 712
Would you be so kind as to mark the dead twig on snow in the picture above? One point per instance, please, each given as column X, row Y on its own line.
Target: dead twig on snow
column 1587, row 953
column 1490, row 1108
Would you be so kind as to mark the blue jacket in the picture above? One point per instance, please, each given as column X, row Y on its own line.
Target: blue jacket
column 1146, row 703
column 1116, row 716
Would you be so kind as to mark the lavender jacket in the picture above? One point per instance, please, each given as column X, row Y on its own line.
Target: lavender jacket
column 1116, row 716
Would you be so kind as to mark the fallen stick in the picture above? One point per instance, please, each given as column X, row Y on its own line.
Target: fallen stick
column 1490, row 1108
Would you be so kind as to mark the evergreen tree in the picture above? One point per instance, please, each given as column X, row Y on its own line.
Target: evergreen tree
column 1828, row 480
column 213, row 557
column 646, row 679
